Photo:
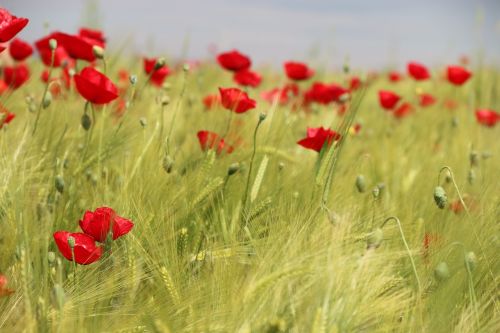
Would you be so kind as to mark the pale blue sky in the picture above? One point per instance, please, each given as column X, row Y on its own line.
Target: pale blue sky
column 372, row 33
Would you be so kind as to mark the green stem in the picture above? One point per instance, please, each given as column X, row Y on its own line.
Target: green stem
column 245, row 197
column 455, row 185
column 52, row 58
column 419, row 285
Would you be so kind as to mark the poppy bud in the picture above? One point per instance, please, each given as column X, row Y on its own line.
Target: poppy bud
column 98, row 51
column 47, row 99
column 471, row 260
column 233, row 168
column 471, row 176
column 474, row 158
column 143, row 122
column 374, row 239
column 381, row 188
column 86, row 122
column 168, row 163
column 442, row 272
column 160, row 62
column 344, row 97
column 360, row 183
column 51, row 257
column 52, row 44
column 262, row 116
column 59, row 182
column 185, row 67
column 165, row 100
column 132, row 79
column 440, row 197
column 376, row 192
column 71, row 242
column 281, row 166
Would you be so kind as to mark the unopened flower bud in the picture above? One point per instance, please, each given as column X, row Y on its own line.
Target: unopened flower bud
column 376, row 192
column 160, row 62
column 344, row 97
column 442, row 272
column 52, row 44
column 143, row 121
column 47, row 99
column 471, row 260
column 262, row 116
column 168, row 163
column 86, row 122
column 440, row 197
column 374, row 239
column 185, row 67
column 165, row 100
column 98, row 51
column 132, row 79
column 474, row 158
column 471, row 176
column 281, row 166
column 51, row 257
column 360, row 183
column 59, row 183
column 233, row 168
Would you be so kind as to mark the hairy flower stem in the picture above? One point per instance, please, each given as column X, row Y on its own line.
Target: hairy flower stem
column 39, row 110
column 245, row 194
column 454, row 184
column 419, row 285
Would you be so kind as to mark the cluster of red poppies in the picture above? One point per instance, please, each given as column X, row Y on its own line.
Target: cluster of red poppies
column 97, row 226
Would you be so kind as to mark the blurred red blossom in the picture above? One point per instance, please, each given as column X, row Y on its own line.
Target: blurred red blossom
column 233, row 99
column 319, row 137
column 234, row 61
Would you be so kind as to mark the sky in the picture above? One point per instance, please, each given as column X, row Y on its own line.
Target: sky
column 367, row 33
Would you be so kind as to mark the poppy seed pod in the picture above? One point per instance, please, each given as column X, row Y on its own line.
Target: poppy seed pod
column 233, row 168
column 442, row 272
column 47, row 99
column 59, row 183
column 168, row 163
column 360, row 183
column 98, row 51
column 52, row 44
column 86, row 122
column 440, row 197
column 471, row 260
column 374, row 239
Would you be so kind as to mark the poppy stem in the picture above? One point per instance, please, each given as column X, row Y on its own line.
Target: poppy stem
column 419, row 285
column 245, row 194
column 176, row 110
column 52, row 59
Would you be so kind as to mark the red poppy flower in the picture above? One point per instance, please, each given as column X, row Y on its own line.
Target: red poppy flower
column 95, row 35
column 3, row 86
column 2, row 48
column 388, row 99
column 5, row 116
column 85, row 249
column 403, row 110
column 354, row 83
column 60, row 55
column 159, row 75
column 233, row 99
column 10, row 25
column 426, row 100
column 20, row 50
column 4, row 291
column 77, row 47
column 319, row 137
column 15, row 76
column 95, row 87
column 234, row 61
column 457, row 75
column 394, row 76
column 211, row 101
column 324, row 93
column 100, row 222
column 246, row 77
column 418, row 71
column 210, row 140
column 297, row 71
column 487, row 117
